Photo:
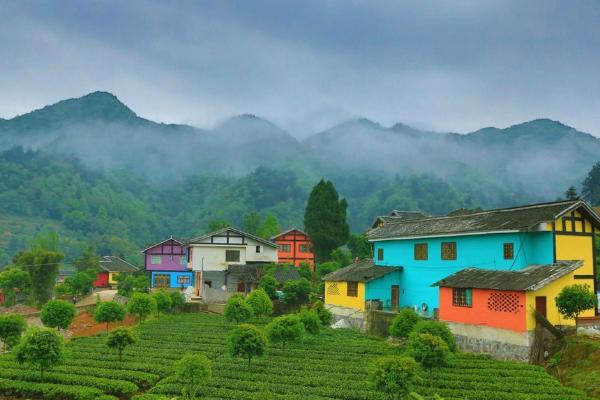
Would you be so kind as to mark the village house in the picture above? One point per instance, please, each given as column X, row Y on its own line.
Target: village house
column 294, row 247
column 110, row 267
column 223, row 259
column 167, row 264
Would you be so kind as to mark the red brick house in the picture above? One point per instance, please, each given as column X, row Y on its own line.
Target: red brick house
column 294, row 247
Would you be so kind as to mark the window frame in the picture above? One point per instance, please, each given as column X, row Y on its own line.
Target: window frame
column 304, row 248
column 351, row 289
column 380, row 254
column 258, row 249
column 506, row 247
column 166, row 277
column 186, row 278
column 154, row 258
column 229, row 252
column 418, row 255
column 448, row 251
column 462, row 297
column 285, row 247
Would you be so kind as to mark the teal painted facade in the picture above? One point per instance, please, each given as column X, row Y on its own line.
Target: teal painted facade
column 381, row 288
column 480, row 251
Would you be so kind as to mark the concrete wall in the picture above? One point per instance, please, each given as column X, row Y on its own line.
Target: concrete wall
column 355, row 318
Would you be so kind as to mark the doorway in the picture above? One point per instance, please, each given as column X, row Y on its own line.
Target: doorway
column 540, row 305
column 395, row 297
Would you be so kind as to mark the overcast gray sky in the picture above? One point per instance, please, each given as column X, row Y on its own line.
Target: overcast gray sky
column 306, row 65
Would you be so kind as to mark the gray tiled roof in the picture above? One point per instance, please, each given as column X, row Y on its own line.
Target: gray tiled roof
column 524, row 218
column 531, row 278
column 116, row 264
column 359, row 271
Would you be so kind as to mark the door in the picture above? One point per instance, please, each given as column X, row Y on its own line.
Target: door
column 540, row 305
column 395, row 296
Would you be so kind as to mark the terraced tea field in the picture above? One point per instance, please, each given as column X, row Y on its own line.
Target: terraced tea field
column 331, row 365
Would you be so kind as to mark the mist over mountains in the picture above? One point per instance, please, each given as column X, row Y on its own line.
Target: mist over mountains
column 537, row 159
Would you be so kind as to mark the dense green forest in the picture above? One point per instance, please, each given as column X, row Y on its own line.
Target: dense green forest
column 119, row 213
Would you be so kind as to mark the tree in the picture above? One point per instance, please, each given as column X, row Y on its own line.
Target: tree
column 11, row 328
column 571, row 193
column 431, row 351
column 325, row 220
column 42, row 266
column 591, row 185
column 141, row 305
column 80, row 283
column 58, row 314
column 305, row 271
column 88, row 260
column 394, row 375
column 261, row 304
column 359, row 247
column 12, row 280
column 109, row 311
column 296, row 291
column 324, row 314
column 285, row 329
column 252, row 223
column 41, row 347
column 247, row 341
column 326, row 268
column 437, row 328
column 194, row 370
column 269, row 284
column 119, row 339
column 341, row 256
column 218, row 224
column 404, row 323
column 163, row 301
column 237, row 309
column 575, row 299
column 269, row 227
column 127, row 284
column 177, row 300
column 310, row 319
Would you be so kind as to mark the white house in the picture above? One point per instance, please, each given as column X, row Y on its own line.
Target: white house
column 211, row 256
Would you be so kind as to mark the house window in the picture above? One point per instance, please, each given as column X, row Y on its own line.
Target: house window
column 284, row 247
column 232, row 255
column 155, row 260
column 420, row 251
column 258, row 248
column 170, row 259
column 162, row 280
column 305, row 248
column 352, row 289
column 509, row 251
column 461, row 297
column 181, row 259
column 183, row 280
column 449, row 251
column 380, row 254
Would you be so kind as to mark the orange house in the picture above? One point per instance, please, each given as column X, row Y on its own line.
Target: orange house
column 294, row 247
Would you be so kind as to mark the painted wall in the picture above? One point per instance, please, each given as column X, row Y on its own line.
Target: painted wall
column 214, row 255
column 481, row 314
column 341, row 299
column 381, row 289
column 295, row 240
column 173, row 278
column 101, row 280
column 172, row 257
column 112, row 278
column 480, row 251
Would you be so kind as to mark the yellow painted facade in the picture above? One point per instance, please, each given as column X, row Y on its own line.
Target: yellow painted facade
column 111, row 278
column 336, row 294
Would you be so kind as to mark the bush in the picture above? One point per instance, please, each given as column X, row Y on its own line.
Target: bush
column 247, row 341
column 11, row 329
column 109, row 311
column 260, row 303
column 326, row 268
column 58, row 314
column 269, row 284
column 404, row 323
column 285, row 329
column 141, row 305
column 310, row 320
column 163, row 301
column 41, row 347
column 194, row 370
column 237, row 309
column 324, row 315
column 119, row 339
column 177, row 300
column 439, row 329
column 575, row 299
column 296, row 291
column 394, row 375
column 431, row 351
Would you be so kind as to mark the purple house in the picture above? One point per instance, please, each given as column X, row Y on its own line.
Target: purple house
column 167, row 264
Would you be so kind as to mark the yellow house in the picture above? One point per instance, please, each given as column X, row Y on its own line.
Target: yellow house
column 113, row 266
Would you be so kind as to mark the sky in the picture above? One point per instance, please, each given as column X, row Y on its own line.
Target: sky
column 307, row 65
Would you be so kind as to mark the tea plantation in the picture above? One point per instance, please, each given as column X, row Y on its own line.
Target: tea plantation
column 330, row 365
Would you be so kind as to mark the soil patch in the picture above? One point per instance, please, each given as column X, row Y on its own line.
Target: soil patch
column 84, row 325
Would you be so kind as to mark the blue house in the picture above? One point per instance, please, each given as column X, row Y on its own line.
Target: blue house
column 429, row 249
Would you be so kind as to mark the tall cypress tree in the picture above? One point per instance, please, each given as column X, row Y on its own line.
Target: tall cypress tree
column 325, row 220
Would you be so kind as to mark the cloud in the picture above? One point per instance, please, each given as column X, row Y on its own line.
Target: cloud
column 446, row 65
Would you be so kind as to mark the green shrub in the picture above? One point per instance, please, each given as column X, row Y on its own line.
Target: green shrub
column 237, row 309
column 163, row 301
column 324, row 315
column 310, row 320
column 194, row 370
column 119, row 339
column 261, row 304
column 404, row 323
column 177, row 300
column 394, row 375
column 296, row 291
column 269, row 284
column 247, row 341
column 141, row 305
column 431, row 351
column 285, row 329
column 11, row 329
column 58, row 314
column 575, row 299
column 40, row 347
column 109, row 311
column 437, row 328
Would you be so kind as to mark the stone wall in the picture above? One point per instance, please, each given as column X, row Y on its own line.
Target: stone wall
column 355, row 318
